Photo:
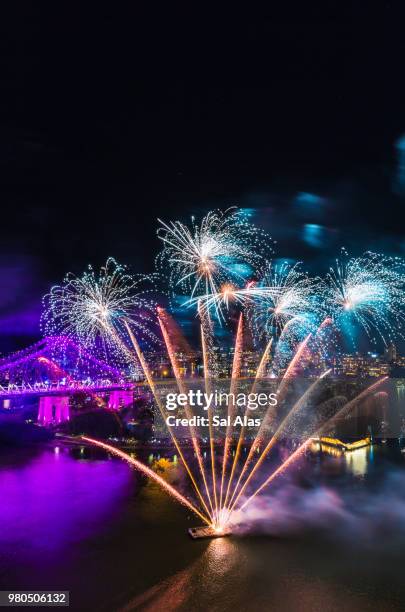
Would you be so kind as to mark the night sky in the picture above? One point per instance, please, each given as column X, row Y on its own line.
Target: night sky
column 112, row 119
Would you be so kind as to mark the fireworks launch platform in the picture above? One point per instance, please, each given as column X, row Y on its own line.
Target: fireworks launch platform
column 197, row 533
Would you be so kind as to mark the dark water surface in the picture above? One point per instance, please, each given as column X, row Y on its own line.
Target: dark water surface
column 79, row 521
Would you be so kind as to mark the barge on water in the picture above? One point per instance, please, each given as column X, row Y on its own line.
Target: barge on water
column 197, row 533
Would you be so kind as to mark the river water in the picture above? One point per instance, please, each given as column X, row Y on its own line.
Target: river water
column 78, row 520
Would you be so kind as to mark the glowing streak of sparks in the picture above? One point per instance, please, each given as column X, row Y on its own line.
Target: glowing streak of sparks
column 182, row 389
column 151, row 474
column 260, row 434
column 208, row 357
column 236, row 369
column 302, row 448
column 259, row 374
column 297, row 406
column 152, row 386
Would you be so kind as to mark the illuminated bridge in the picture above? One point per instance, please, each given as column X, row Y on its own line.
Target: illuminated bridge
column 63, row 388
column 56, row 368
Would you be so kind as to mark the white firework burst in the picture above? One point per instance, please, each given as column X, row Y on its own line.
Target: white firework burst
column 223, row 248
column 92, row 309
column 367, row 291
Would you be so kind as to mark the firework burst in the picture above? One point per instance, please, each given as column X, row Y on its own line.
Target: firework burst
column 92, row 308
column 288, row 301
column 284, row 298
column 367, row 291
column 223, row 248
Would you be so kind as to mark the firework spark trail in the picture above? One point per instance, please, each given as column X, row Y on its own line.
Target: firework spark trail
column 368, row 290
column 228, row 293
column 152, row 386
column 285, row 336
column 91, row 306
column 297, row 406
column 206, row 343
column 259, row 374
column 211, row 363
column 261, row 370
column 284, row 303
column 290, row 371
column 123, row 347
column 322, row 326
column 236, row 369
column 162, row 317
column 320, row 342
column 284, row 292
column 301, row 449
column 257, row 442
column 151, row 474
column 325, row 322
column 287, row 293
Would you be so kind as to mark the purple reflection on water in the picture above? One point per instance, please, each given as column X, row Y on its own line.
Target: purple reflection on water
column 52, row 502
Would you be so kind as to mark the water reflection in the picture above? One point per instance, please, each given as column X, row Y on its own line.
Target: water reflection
column 93, row 525
column 357, row 461
column 220, row 564
column 52, row 500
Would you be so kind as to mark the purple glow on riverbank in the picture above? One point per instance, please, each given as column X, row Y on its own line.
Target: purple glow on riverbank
column 56, row 501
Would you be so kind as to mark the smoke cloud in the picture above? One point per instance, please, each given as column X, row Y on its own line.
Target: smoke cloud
column 359, row 515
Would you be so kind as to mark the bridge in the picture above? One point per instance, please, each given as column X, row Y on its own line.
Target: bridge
column 54, row 358
column 63, row 388
column 56, row 368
